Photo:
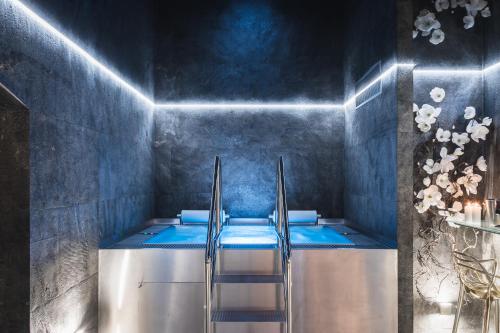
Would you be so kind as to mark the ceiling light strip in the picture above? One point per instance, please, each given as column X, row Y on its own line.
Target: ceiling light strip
column 75, row 47
column 248, row 106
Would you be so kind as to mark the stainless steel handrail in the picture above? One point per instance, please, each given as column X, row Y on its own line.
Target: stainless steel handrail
column 214, row 229
column 283, row 230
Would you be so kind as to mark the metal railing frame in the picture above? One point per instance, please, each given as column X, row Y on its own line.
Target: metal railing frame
column 214, row 228
column 283, row 230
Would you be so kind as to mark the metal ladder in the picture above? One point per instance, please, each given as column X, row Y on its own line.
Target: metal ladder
column 250, row 286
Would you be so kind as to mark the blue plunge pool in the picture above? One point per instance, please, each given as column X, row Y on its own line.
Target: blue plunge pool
column 249, row 236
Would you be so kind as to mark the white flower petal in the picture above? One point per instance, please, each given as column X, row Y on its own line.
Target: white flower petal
column 481, row 164
column 468, row 21
column 469, row 112
column 437, row 94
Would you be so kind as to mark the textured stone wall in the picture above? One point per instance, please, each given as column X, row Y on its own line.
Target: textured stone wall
column 250, row 143
column 371, row 130
column 378, row 172
column 14, row 209
column 247, row 49
column 91, row 164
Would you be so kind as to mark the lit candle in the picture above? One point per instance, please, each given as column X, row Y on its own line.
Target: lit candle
column 472, row 212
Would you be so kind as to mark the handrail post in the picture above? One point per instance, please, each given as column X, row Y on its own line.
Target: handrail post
column 217, row 213
column 289, row 296
column 218, row 210
column 208, row 296
column 279, row 213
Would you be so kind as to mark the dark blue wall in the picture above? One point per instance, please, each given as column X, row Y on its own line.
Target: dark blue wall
column 250, row 143
column 265, row 50
column 371, row 130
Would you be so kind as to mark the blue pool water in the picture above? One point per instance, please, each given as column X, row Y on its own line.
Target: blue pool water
column 248, row 236
column 310, row 236
column 180, row 236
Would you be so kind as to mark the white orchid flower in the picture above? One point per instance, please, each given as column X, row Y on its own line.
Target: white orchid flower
column 486, row 12
column 470, row 181
column 432, row 196
column 446, row 164
column 427, row 112
column 415, row 107
column 426, row 116
column 460, row 139
column 455, row 190
column 427, row 181
column 474, row 6
column 481, row 164
column 437, row 37
column 442, row 180
column 442, row 135
column 486, row 121
column 426, row 22
column 470, row 112
column 424, row 127
column 478, row 131
column 437, row 94
column 421, row 207
column 441, row 5
column 431, row 167
column 469, row 21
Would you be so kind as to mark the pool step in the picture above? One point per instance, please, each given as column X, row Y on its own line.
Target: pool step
column 239, row 296
column 244, row 316
column 248, row 278
column 248, row 262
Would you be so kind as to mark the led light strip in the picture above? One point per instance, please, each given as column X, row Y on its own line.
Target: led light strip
column 248, row 106
column 49, row 28
column 448, row 71
column 377, row 79
column 234, row 105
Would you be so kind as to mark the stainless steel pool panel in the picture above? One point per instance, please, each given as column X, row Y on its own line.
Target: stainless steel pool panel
column 173, row 265
column 120, row 273
column 345, row 290
column 171, row 307
column 158, row 290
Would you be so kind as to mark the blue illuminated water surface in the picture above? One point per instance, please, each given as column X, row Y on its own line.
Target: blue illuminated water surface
column 244, row 236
